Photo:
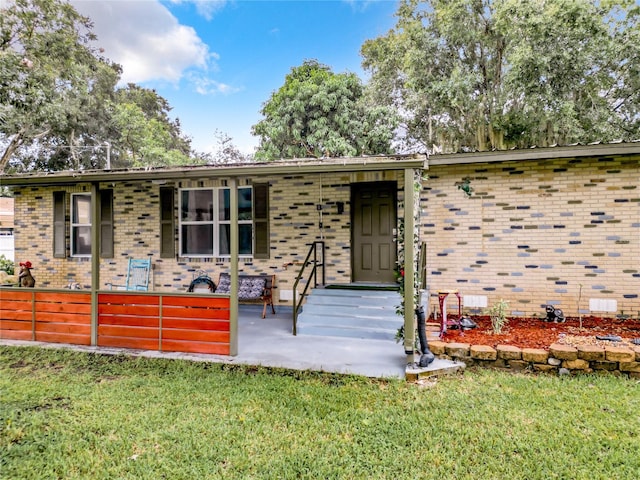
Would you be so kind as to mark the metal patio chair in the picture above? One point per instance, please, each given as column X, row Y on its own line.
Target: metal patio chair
column 138, row 273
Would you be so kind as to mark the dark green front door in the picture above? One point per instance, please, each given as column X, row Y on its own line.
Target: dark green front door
column 373, row 223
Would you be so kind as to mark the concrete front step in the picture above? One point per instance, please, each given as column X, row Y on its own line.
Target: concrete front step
column 368, row 314
column 345, row 331
column 351, row 310
column 345, row 292
column 382, row 301
column 351, row 321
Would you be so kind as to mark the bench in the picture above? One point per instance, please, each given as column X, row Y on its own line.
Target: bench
column 251, row 288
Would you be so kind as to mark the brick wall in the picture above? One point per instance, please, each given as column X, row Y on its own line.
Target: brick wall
column 294, row 224
column 532, row 232
column 536, row 233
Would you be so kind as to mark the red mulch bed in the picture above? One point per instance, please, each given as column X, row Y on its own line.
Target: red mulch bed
column 537, row 333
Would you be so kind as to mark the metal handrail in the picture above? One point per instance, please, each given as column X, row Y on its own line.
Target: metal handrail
column 317, row 264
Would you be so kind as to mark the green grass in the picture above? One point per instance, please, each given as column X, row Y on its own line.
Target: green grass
column 69, row 415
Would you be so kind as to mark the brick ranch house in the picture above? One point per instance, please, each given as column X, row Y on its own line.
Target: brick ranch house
column 533, row 227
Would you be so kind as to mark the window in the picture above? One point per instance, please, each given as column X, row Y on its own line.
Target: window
column 80, row 224
column 205, row 222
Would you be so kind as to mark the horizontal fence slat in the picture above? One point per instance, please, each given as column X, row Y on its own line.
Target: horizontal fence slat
column 67, row 308
column 54, row 337
column 16, row 334
column 122, row 342
column 196, row 301
column 190, row 324
column 128, row 299
column 187, row 312
column 64, row 297
column 129, row 320
column 7, row 294
column 15, row 305
column 15, row 325
column 195, row 335
column 136, row 310
column 128, row 331
column 196, row 347
column 63, row 328
column 46, row 317
column 18, row 315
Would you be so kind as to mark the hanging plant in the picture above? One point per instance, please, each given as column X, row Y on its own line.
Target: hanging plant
column 465, row 186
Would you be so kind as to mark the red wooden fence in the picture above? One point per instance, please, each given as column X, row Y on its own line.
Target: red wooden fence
column 45, row 316
column 148, row 321
column 167, row 322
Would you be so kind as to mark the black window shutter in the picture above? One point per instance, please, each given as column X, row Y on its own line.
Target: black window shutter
column 59, row 225
column 261, row 220
column 106, row 223
column 167, row 226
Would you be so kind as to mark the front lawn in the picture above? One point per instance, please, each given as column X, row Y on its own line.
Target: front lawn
column 72, row 415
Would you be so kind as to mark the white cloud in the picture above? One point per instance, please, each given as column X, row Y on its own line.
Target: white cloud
column 207, row 86
column 146, row 39
column 205, row 8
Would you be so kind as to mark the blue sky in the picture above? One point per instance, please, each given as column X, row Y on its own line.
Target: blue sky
column 217, row 62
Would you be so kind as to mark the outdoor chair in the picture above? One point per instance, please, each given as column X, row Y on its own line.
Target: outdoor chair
column 138, row 272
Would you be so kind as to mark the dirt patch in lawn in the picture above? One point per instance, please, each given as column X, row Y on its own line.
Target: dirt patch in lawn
column 537, row 333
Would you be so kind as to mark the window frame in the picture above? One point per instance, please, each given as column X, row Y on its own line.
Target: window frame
column 76, row 225
column 216, row 222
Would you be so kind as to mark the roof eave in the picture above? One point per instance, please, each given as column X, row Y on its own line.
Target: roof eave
column 356, row 164
column 537, row 153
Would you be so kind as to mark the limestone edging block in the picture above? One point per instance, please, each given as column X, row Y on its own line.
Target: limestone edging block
column 458, row 349
column 619, row 354
column 509, row 352
column 437, row 347
column 630, row 367
column 577, row 364
column 591, row 352
column 535, row 355
column 483, row 352
column 563, row 352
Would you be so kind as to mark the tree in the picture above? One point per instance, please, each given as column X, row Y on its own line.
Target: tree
column 496, row 74
column 226, row 152
column 59, row 105
column 318, row 113
column 47, row 71
column 142, row 132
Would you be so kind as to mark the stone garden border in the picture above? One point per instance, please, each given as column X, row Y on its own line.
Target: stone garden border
column 560, row 359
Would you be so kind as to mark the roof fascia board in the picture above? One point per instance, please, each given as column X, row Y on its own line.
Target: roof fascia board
column 357, row 164
column 542, row 153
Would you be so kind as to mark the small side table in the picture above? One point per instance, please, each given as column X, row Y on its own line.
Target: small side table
column 444, row 319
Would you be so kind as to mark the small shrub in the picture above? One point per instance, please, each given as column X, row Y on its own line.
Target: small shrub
column 498, row 314
column 7, row 265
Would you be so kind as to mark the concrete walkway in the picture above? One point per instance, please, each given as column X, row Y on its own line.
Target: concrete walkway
column 268, row 342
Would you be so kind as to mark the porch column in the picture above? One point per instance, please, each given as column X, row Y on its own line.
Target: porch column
column 409, row 266
column 233, row 250
column 95, row 260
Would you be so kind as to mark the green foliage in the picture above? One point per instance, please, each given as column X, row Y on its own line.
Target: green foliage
column 59, row 105
column 498, row 313
column 83, row 415
column 497, row 74
column 144, row 141
column 7, row 265
column 318, row 113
